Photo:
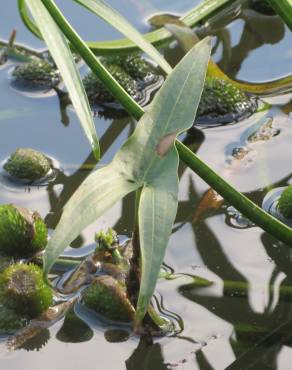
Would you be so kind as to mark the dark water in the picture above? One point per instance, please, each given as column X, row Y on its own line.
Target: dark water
column 245, row 314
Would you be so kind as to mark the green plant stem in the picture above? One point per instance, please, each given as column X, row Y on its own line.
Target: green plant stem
column 238, row 200
column 94, row 64
column 284, row 9
column 158, row 37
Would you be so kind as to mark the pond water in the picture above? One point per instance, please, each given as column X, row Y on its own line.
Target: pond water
column 245, row 313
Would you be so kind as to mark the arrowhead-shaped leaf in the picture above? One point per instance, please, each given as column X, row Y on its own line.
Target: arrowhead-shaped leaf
column 147, row 160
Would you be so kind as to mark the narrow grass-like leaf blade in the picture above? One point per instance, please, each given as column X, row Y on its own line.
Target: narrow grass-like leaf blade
column 111, row 16
column 63, row 58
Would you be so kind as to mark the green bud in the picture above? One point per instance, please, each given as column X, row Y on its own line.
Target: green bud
column 107, row 297
column 105, row 241
column 37, row 73
column 107, row 246
column 23, row 289
column 285, row 202
column 22, row 232
column 27, row 164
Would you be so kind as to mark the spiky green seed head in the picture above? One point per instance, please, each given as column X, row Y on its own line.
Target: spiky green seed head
column 285, row 202
column 23, row 289
column 10, row 321
column 107, row 297
column 221, row 98
column 133, row 64
column 27, row 164
column 23, row 233
column 37, row 73
column 96, row 91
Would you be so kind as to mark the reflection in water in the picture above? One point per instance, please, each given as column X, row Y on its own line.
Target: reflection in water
column 74, row 330
column 147, row 356
column 258, row 30
column 37, row 342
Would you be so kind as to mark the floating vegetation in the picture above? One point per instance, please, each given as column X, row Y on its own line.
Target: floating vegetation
column 28, row 165
column 23, row 233
column 37, row 73
column 10, row 321
column 107, row 297
column 137, row 76
column 278, row 203
column 222, row 103
column 285, row 202
column 23, row 289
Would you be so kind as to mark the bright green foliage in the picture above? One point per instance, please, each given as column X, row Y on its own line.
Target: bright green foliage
column 23, row 289
column 223, row 102
column 285, row 202
column 27, row 164
column 22, row 232
column 107, row 297
column 10, row 321
column 37, row 73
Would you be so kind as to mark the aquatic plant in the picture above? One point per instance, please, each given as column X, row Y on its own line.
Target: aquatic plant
column 222, row 102
column 36, row 73
column 147, row 162
column 132, row 72
column 10, row 321
column 285, row 202
column 27, row 164
column 23, row 289
column 97, row 92
column 23, row 233
column 106, row 296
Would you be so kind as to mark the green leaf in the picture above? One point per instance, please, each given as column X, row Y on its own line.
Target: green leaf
column 63, row 58
column 100, row 191
column 111, row 16
column 148, row 160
